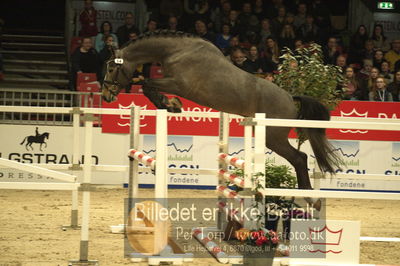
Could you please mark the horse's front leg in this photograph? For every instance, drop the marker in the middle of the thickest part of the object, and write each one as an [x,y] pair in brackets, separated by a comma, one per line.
[151,89]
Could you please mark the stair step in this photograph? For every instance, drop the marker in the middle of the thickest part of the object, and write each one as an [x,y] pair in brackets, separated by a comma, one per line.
[35,62]
[38,81]
[35,71]
[32,52]
[41,38]
[30,45]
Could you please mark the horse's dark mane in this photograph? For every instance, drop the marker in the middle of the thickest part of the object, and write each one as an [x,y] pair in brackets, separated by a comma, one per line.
[161,33]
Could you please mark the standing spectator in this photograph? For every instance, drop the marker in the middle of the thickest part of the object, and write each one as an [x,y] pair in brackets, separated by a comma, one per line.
[330,51]
[300,18]
[254,63]
[393,55]
[85,59]
[350,86]
[385,72]
[309,32]
[201,31]
[378,59]
[223,39]
[379,92]
[287,37]
[394,87]
[265,31]
[88,20]
[341,62]
[357,44]
[151,26]
[105,30]
[124,30]
[379,39]
[279,21]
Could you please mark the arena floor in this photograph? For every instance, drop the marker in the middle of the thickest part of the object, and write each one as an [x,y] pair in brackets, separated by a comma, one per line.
[30,231]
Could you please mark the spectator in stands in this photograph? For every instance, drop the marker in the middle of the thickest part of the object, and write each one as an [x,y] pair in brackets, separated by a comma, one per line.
[272,11]
[320,10]
[309,31]
[350,85]
[366,69]
[265,31]
[107,51]
[287,37]
[298,44]
[289,19]
[105,30]
[151,25]
[379,39]
[368,51]
[378,59]
[88,20]
[300,17]
[394,87]
[259,10]
[330,51]
[271,55]
[238,58]
[385,72]
[363,78]
[269,76]
[234,42]
[233,22]
[219,14]
[357,45]
[254,63]
[279,21]
[247,21]
[202,12]
[222,39]
[85,59]
[379,93]
[170,8]
[173,24]
[393,55]
[124,30]
[201,31]
[133,36]
[341,63]
[372,78]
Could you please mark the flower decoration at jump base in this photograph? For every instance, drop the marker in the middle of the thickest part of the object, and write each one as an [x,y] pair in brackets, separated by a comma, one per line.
[261,237]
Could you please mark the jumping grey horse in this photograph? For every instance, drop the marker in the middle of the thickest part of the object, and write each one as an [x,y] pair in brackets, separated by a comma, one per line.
[197,70]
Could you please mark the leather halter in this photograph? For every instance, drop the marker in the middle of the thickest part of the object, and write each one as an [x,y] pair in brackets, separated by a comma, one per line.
[119,62]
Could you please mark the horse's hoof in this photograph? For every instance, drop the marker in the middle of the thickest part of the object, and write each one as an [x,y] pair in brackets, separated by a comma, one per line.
[314,203]
[177,110]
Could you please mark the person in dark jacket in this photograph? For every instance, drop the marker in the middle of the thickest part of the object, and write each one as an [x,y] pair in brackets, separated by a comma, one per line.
[124,30]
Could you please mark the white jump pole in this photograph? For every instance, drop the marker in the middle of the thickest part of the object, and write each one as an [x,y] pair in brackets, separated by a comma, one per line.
[161,177]
[223,146]
[75,168]
[133,184]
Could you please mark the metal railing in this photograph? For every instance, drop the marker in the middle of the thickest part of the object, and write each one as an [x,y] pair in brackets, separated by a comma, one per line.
[44,98]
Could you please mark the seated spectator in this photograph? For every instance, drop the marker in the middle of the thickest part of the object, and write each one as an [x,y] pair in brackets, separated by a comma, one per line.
[350,86]
[341,63]
[394,87]
[238,58]
[222,40]
[321,13]
[330,51]
[287,37]
[309,31]
[271,55]
[265,31]
[378,59]
[173,24]
[201,31]
[300,17]
[85,59]
[279,21]
[124,30]
[368,51]
[220,15]
[105,30]
[269,76]
[202,12]
[234,42]
[372,79]
[363,77]
[365,72]
[357,45]
[169,8]
[254,63]
[289,19]
[248,22]
[133,36]
[298,44]
[272,11]
[233,22]
[151,26]
[379,93]
[259,10]
[88,20]
[107,52]
[379,39]
[385,72]
[393,55]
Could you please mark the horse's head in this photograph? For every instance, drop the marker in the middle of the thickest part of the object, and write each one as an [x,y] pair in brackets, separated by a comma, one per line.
[46,135]
[116,77]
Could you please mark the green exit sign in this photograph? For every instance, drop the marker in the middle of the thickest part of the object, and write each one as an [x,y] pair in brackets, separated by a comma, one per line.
[385,5]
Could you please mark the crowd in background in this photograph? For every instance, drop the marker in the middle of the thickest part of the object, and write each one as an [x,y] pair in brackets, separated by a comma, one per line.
[252,34]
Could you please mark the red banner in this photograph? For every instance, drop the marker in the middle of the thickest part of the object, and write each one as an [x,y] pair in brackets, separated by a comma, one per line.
[209,127]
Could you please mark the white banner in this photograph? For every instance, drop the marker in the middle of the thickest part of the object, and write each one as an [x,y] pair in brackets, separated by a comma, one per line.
[22,143]
[390,23]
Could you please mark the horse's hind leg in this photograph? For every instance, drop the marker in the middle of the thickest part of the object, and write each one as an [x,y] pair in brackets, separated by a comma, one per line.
[277,141]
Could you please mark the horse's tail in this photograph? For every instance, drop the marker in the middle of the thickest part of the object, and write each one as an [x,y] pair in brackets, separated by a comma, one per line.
[311,109]
[23,141]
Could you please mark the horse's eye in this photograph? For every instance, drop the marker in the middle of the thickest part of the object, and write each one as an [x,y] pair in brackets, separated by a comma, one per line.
[110,70]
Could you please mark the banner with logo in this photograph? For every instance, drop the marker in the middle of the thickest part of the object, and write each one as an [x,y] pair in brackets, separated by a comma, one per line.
[209,127]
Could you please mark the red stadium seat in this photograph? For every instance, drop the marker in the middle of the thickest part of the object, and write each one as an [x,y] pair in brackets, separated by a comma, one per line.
[85,78]
[75,43]
[136,89]
[156,72]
